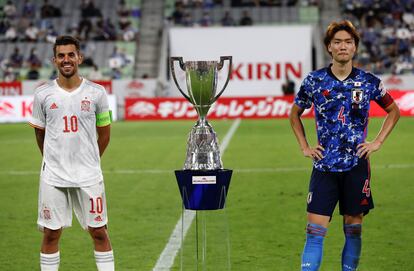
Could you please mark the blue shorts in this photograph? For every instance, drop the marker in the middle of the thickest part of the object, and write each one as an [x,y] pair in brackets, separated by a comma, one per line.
[351,188]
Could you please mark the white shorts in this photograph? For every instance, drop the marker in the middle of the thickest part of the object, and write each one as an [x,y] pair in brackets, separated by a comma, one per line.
[56,203]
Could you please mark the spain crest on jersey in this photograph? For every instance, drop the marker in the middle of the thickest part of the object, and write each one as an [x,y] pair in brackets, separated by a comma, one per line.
[85,105]
[357,96]
[46,213]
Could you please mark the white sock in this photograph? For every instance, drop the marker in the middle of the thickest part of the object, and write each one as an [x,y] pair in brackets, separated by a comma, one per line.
[49,262]
[105,260]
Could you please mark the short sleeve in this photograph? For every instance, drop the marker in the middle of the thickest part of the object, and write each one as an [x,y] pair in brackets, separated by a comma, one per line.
[103,114]
[381,96]
[102,102]
[38,118]
[304,97]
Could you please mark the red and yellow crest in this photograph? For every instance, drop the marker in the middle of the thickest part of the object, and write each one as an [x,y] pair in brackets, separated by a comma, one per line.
[85,105]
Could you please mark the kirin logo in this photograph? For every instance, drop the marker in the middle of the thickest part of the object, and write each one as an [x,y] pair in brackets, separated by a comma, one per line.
[6,108]
[142,109]
[406,102]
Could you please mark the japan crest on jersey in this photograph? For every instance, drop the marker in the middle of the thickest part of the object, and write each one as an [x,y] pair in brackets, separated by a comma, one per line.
[85,105]
[357,96]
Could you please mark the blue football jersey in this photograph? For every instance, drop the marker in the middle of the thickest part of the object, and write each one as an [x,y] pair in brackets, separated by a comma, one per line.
[341,113]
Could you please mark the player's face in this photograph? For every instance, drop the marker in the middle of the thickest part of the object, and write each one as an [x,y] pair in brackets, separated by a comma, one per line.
[342,47]
[67,60]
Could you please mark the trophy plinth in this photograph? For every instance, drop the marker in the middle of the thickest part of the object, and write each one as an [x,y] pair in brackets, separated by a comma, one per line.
[203,189]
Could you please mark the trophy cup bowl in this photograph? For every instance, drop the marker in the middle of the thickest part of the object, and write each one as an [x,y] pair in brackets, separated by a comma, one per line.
[203,182]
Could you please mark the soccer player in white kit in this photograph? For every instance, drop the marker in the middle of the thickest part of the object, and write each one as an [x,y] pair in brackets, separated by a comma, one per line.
[72,120]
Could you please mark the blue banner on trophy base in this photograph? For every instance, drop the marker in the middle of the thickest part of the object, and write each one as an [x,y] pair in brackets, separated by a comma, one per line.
[203,189]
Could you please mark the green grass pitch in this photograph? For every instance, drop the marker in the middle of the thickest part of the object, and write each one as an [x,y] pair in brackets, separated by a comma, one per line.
[265,207]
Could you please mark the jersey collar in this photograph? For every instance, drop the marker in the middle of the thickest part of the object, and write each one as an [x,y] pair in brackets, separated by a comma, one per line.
[351,75]
[73,92]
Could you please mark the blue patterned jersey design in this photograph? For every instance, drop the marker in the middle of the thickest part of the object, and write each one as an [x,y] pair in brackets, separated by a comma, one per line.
[341,113]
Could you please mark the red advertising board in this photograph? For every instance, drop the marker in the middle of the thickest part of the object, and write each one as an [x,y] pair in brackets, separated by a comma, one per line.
[106,84]
[404,100]
[238,107]
[15,109]
[225,107]
[10,88]
[20,108]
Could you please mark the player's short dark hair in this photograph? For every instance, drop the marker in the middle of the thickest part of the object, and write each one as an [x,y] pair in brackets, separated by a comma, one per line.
[66,40]
[338,26]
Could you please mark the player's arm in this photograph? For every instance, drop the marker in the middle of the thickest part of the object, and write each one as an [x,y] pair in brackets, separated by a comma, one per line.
[393,114]
[38,121]
[299,131]
[104,134]
[103,122]
[103,128]
[40,138]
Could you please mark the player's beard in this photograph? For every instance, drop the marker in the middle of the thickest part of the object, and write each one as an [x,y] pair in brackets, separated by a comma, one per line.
[67,74]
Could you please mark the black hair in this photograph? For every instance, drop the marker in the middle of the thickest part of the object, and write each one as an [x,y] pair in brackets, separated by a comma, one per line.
[66,40]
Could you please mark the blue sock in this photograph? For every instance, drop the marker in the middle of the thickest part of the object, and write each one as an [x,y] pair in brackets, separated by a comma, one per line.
[352,248]
[312,253]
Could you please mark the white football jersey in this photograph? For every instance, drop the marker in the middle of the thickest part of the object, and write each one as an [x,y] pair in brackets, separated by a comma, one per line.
[70,152]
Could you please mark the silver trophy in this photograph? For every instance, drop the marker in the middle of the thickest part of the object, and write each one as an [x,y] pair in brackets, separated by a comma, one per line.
[203,151]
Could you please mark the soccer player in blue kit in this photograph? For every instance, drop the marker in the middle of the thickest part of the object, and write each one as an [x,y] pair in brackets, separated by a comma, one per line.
[341,96]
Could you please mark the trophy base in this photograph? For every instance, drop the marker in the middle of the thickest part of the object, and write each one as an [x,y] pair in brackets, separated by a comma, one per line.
[203,189]
[206,246]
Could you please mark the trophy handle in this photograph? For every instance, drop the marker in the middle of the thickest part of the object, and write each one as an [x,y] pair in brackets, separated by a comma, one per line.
[219,67]
[182,66]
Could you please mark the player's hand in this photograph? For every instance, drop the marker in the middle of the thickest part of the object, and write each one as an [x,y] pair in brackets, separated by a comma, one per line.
[365,149]
[314,153]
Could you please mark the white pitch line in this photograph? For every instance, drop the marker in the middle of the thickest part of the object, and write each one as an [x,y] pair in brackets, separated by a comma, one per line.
[167,257]
[19,172]
[138,171]
[295,169]
[229,135]
[238,170]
